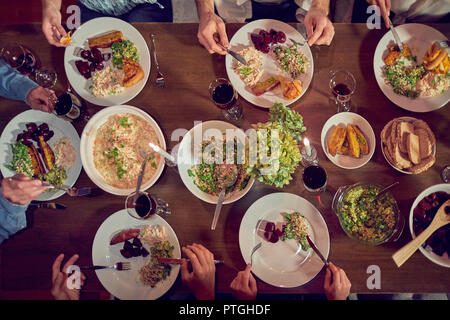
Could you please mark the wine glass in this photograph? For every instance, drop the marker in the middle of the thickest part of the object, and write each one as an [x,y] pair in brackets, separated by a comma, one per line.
[342,84]
[145,206]
[13,55]
[226,98]
[314,178]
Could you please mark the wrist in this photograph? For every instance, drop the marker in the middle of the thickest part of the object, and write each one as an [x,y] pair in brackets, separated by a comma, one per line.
[320,8]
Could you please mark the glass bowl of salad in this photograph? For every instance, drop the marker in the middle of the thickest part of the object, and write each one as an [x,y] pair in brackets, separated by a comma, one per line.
[369,220]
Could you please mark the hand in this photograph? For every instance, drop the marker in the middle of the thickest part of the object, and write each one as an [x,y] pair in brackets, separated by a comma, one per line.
[51,26]
[59,280]
[41,99]
[209,25]
[202,278]
[244,285]
[319,28]
[385,7]
[336,284]
[20,189]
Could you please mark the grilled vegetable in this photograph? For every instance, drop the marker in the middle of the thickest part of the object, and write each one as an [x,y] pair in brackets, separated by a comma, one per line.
[353,141]
[105,40]
[47,153]
[337,139]
[36,162]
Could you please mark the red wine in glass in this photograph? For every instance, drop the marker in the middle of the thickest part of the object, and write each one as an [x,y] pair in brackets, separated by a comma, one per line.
[314,178]
[27,63]
[145,206]
[341,89]
[224,97]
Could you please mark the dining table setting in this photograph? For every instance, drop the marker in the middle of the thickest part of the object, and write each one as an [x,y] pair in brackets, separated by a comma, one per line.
[362,169]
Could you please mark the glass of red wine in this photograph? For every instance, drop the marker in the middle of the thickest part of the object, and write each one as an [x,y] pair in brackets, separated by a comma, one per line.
[145,206]
[226,98]
[314,178]
[342,85]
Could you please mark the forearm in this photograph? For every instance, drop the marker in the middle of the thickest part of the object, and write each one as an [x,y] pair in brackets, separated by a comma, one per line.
[14,85]
[54,4]
[321,5]
[12,218]
[204,7]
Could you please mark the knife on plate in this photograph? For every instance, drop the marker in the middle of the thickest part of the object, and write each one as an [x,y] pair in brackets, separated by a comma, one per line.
[47,205]
[179,261]
[313,246]
[397,40]
[234,54]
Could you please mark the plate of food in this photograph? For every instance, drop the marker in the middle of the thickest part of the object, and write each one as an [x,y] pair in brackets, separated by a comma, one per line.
[280,222]
[111,145]
[348,140]
[207,153]
[42,146]
[423,210]
[107,62]
[278,68]
[121,238]
[408,145]
[419,79]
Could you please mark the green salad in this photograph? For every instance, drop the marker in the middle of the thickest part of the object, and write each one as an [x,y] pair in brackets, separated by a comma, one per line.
[21,161]
[123,50]
[296,228]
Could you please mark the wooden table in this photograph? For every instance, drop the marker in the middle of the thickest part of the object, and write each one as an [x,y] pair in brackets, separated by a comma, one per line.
[26,259]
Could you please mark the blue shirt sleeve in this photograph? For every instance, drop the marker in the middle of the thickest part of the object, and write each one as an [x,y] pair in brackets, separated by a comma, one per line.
[12,218]
[14,85]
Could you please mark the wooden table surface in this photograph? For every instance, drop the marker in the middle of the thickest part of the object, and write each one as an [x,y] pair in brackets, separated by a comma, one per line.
[26,259]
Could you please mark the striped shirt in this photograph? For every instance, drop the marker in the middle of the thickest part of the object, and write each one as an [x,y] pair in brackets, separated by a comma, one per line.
[115,7]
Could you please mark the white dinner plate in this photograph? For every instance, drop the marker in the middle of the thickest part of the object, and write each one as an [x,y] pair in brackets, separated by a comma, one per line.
[96,27]
[126,285]
[186,159]
[344,118]
[87,147]
[241,39]
[419,38]
[281,264]
[443,260]
[60,127]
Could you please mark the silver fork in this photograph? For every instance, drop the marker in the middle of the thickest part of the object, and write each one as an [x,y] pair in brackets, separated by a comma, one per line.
[71,191]
[253,251]
[160,82]
[119,266]
[443,44]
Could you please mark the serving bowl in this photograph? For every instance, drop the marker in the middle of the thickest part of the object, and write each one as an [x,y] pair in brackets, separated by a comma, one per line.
[340,200]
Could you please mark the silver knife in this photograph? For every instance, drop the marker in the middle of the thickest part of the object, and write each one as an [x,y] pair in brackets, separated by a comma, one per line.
[235,55]
[398,42]
[47,205]
[313,246]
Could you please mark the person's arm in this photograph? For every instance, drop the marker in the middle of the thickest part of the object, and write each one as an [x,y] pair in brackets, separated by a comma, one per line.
[14,85]
[51,22]
[319,28]
[385,8]
[244,285]
[209,24]
[12,218]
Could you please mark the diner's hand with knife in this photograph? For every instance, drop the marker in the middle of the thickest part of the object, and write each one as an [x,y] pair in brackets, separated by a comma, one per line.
[201,280]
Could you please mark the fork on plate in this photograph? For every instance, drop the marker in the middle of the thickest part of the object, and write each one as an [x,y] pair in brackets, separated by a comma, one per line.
[119,266]
[71,191]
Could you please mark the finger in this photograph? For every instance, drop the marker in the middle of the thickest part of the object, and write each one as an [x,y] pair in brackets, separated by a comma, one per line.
[327,281]
[327,35]
[61,30]
[48,33]
[245,276]
[200,254]
[21,177]
[253,285]
[223,34]
[209,256]
[57,283]
[194,260]
[56,266]
[70,262]
[318,30]
[184,269]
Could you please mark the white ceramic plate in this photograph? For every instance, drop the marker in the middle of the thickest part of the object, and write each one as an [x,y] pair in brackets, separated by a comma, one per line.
[126,285]
[186,159]
[443,260]
[281,264]
[241,39]
[419,38]
[410,119]
[87,147]
[344,118]
[96,27]
[60,127]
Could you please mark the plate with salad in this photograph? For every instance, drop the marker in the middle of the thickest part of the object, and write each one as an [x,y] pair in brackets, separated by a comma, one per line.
[41,146]
[417,80]
[280,222]
[107,62]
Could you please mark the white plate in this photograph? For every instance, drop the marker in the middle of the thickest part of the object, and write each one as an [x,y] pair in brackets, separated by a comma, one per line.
[185,158]
[241,39]
[344,118]
[410,119]
[126,285]
[443,260]
[93,28]
[279,264]
[419,38]
[60,127]
[87,147]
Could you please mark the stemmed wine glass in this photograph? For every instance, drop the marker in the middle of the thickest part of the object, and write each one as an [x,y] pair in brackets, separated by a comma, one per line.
[142,206]
[342,85]
[25,61]
[226,98]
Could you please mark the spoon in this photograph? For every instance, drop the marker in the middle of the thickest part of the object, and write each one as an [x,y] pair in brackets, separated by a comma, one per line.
[379,194]
[441,218]
[229,180]
[145,152]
